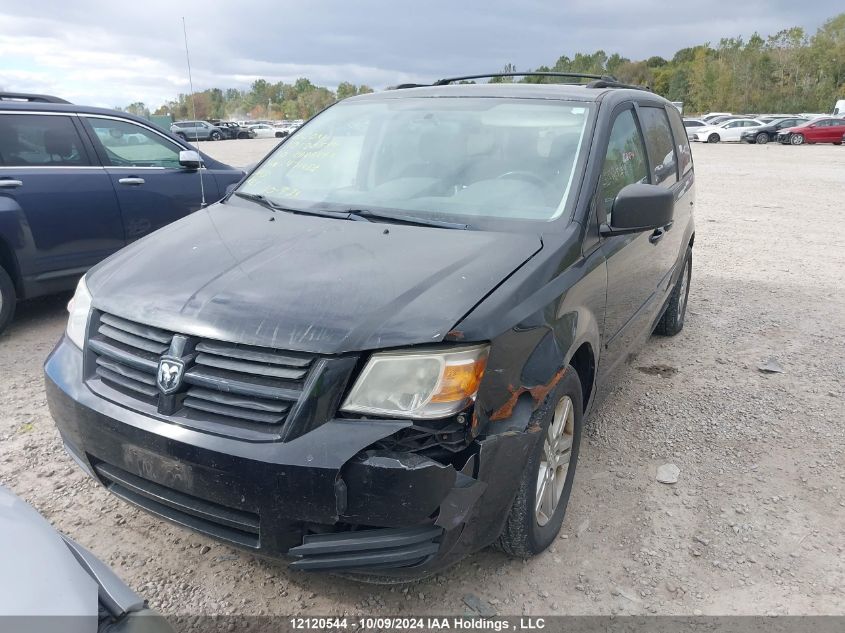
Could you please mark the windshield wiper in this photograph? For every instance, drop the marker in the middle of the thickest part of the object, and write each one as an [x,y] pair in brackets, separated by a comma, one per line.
[264,201]
[259,199]
[352,214]
[369,214]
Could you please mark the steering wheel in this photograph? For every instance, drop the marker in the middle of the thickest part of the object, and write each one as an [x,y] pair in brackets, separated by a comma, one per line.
[524,175]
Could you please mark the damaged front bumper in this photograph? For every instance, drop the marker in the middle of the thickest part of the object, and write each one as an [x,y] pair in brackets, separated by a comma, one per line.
[326,498]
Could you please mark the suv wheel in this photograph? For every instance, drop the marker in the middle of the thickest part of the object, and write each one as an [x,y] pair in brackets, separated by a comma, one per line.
[672,320]
[183,136]
[796,139]
[8,299]
[215,136]
[540,504]
[762,138]
[714,138]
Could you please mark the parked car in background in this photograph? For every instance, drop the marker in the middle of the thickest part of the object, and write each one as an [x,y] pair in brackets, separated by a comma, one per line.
[721,119]
[286,128]
[769,131]
[233,130]
[693,125]
[197,131]
[707,118]
[839,108]
[79,183]
[822,130]
[727,131]
[377,355]
[263,130]
[770,118]
[49,582]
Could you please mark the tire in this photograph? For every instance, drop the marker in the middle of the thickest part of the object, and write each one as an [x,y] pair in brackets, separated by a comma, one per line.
[796,139]
[183,136]
[243,135]
[673,317]
[714,138]
[762,138]
[279,135]
[214,136]
[527,532]
[8,299]
[837,142]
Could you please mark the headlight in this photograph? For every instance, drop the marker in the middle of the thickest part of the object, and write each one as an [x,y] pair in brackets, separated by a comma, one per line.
[416,384]
[79,308]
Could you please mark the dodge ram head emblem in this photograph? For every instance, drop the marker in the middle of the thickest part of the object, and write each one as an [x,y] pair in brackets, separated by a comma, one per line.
[170,372]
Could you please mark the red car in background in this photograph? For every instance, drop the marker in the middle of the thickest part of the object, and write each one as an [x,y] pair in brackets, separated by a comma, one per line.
[822,130]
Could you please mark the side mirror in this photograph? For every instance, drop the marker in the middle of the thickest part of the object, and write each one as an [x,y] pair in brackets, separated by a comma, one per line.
[640,208]
[190,159]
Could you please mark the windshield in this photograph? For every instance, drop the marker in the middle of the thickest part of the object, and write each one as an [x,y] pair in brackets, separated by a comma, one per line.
[481,157]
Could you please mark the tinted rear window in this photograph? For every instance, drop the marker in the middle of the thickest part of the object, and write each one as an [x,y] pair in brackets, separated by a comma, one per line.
[660,145]
[40,140]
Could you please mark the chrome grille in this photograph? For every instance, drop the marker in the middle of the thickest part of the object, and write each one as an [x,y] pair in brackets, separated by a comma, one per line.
[227,389]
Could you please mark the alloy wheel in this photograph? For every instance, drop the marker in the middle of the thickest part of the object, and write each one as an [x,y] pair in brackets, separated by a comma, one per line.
[554,462]
[682,292]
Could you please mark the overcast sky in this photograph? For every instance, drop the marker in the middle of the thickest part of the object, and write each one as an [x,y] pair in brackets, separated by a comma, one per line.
[114,53]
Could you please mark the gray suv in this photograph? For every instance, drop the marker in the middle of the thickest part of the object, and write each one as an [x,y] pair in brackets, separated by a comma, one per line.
[197,131]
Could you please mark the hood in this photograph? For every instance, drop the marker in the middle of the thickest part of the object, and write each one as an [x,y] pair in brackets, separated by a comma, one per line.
[41,577]
[241,273]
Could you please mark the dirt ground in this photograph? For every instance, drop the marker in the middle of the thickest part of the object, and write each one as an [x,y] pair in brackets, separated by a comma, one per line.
[753,526]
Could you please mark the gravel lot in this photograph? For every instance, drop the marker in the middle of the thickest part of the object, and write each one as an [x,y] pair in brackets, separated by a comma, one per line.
[753,526]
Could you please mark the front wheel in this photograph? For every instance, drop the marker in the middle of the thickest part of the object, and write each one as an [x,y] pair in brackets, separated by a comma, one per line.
[714,138]
[537,512]
[672,320]
[8,299]
[762,138]
[183,136]
[215,136]
[797,139]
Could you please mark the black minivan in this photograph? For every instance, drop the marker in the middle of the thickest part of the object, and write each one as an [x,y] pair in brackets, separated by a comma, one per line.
[376,355]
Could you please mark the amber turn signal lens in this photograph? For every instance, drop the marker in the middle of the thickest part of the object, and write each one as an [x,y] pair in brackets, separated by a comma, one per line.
[460,381]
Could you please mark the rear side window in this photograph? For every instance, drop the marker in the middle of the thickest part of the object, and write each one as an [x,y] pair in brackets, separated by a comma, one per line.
[624,162]
[682,146]
[661,147]
[40,140]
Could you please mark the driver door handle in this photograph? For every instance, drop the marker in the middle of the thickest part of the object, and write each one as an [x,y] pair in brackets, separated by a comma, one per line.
[11,184]
[655,237]
[131,181]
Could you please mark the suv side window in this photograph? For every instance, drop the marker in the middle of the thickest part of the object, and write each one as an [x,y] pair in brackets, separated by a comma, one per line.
[624,162]
[681,142]
[661,147]
[130,145]
[40,140]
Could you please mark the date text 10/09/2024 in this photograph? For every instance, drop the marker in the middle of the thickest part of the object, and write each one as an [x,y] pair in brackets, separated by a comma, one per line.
[429,623]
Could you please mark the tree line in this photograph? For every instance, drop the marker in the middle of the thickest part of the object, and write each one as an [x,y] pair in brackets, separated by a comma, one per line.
[790,71]
[263,100]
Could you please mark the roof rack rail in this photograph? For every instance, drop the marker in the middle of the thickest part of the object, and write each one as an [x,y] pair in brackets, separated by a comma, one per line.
[403,86]
[613,83]
[447,81]
[31,98]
